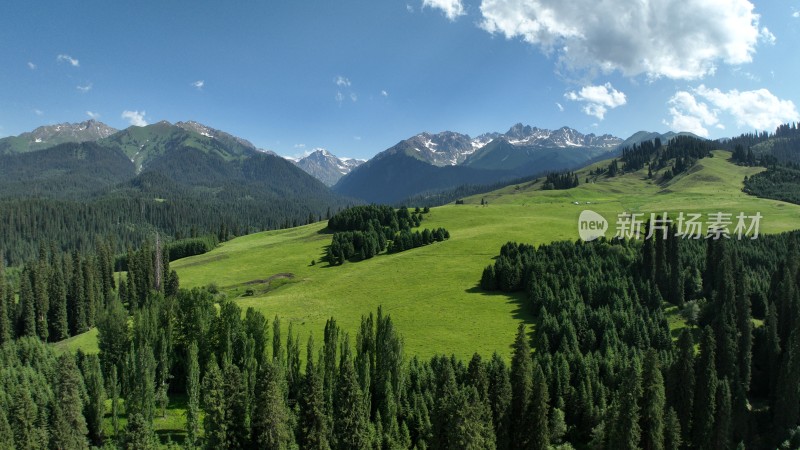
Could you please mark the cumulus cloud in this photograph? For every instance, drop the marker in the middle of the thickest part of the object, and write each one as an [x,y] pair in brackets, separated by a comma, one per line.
[93,115]
[452,9]
[135,117]
[598,99]
[31,65]
[342,81]
[678,39]
[85,88]
[198,85]
[757,109]
[68,59]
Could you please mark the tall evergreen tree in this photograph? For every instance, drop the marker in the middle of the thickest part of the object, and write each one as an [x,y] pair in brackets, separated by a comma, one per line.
[113,383]
[69,424]
[271,421]
[76,300]
[500,400]
[626,432]
[193,396]
[521,390]
[683,382]
[653,403]
[214,406]
[6,433]
[40,279]
[313,421]
[57,320]
[351,419]
[6,331]
[722,421]
[539,412]
[95,407]
[277,348]
[705,392]
[28,318]
[672,431]
[787,404]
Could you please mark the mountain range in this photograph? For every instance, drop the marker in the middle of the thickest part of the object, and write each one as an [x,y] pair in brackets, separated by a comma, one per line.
[429,163]
[325,166]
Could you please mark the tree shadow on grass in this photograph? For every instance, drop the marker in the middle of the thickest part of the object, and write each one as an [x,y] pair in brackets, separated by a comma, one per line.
[521,311]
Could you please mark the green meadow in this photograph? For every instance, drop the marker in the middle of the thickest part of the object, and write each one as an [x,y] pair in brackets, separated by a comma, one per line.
[432,292]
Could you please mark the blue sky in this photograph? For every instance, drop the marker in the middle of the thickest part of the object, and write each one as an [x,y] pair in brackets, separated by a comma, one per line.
[356,77]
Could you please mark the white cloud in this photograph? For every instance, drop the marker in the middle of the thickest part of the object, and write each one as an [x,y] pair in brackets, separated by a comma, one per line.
[598,99]
[93,115]
[85,88]
[31,65]
[353,97]
[299,145]
[384,93]
[452,9]
[135,117]
[679,39]
[342,81]
[38,112]
[560,107]
[796,14]
[339,97]
[409,8]
[690,115]
[758,109]
[357,138]
[198,85]
[69,59]
[766,36]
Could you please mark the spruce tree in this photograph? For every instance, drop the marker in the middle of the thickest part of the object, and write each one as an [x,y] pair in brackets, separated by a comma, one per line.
[500,399]
[28,319]
[626,431]
[57,320]
[69,424]
[76,300]
[271,421]
[95,407]
[6,332]
[539,412]
[653,403]
[683,382]
[787,404]
[193,396]
[521,390]
[351,419]
[313,422]
[113,383]
[672,431]
[40,279]
[705,392]
[215,407]
[22,418]
[6,433]
[722,424]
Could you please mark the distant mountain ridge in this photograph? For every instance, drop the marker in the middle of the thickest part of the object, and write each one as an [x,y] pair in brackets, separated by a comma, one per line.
[51,135]
[325,166]
[456,159]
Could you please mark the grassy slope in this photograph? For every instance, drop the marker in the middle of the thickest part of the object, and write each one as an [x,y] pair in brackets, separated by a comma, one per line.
[432,292]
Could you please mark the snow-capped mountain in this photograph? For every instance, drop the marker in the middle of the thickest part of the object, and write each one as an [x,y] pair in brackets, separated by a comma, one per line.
[564,137]
[50,135]
[219,135]
[441,149]
[325,166]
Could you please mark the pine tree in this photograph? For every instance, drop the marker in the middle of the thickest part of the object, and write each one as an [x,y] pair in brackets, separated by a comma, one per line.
[6,433]
[57,320]
[214,406]
[722,424]
[351,419]
[6,332]
[76,306]
[22,418]
[139,434]
[626,432]
[521,390]
[69,424]
[672,431]
[653,403]
[113,383]
[683,382]
[95,407]
[313,431]
[28,325]
[277,348]
[193,396]
[539,412]
[787,404]
[744,325]
[40,279]
[271,421]
[705,392]
[500,399]
[773,350]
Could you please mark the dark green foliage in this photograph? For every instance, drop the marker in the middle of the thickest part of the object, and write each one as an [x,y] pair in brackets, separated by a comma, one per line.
[271,420]
[313,420]
[95,407]
[193,394]
[777,182]
[521,390]
[653,403]
[682,382]
[69,424]
[215,424]
[560,180]
[351,417]
[705,392]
